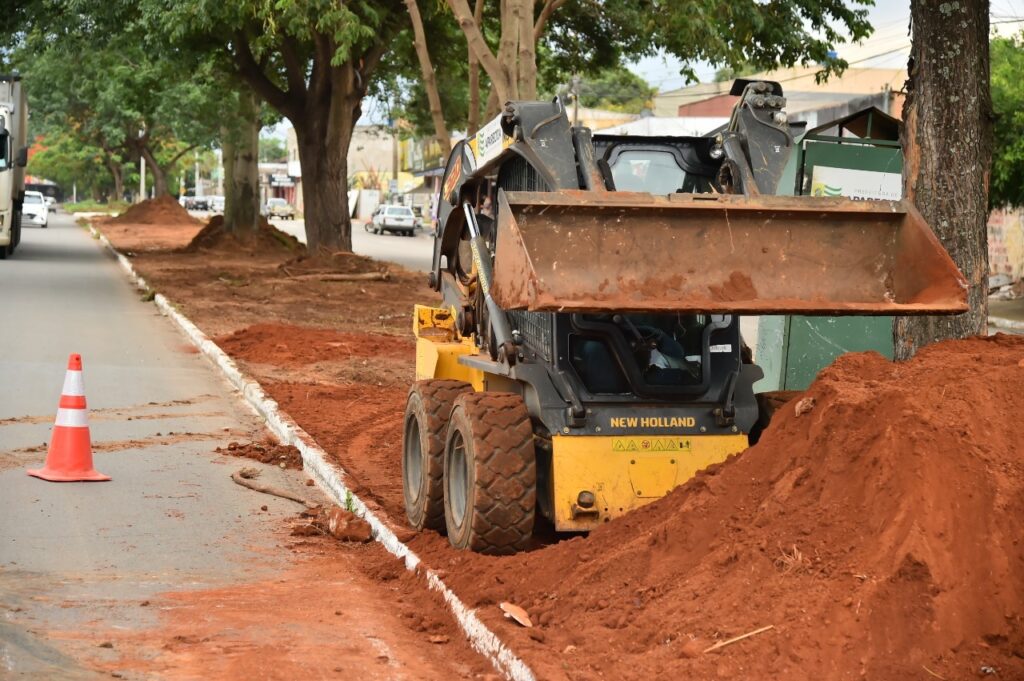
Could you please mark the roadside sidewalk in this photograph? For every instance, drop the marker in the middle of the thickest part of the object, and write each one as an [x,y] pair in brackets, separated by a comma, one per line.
[170,570]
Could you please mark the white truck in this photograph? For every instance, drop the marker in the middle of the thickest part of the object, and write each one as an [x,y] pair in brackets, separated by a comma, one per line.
[13,159]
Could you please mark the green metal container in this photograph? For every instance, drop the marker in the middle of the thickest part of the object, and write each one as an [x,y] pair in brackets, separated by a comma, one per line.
[858,157]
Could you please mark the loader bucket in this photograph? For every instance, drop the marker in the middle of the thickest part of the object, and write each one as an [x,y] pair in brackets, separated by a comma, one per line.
[578,251]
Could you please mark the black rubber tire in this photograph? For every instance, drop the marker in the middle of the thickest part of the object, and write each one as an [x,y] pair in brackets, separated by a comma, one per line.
[490,474]
[426,425]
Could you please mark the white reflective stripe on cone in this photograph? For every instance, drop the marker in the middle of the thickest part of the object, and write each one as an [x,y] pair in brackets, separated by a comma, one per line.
[72,418]
[73,384]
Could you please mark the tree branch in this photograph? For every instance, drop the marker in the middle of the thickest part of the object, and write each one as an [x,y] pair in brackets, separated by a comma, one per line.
[545,13]
[429,79]
[253,73]
[479,46]
[294,66]
[320,78]
[177,157]
[527,71]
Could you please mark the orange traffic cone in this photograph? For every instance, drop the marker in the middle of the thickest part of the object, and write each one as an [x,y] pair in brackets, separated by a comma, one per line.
[70,456]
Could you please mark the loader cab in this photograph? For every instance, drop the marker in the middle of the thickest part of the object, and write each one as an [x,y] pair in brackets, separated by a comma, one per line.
[658,165]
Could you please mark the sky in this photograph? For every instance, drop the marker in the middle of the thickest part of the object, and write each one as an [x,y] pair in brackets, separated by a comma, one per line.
[888,47]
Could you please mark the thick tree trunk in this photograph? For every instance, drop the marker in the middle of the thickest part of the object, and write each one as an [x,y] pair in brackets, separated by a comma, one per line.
[158,173]
[323,156]
[429,79]
[241,167]
[948,148]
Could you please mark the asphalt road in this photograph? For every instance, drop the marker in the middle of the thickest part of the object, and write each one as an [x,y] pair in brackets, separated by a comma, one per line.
[414,253]
[80,561]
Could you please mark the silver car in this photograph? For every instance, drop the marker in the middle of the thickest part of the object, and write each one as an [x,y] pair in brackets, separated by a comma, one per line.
[392,218]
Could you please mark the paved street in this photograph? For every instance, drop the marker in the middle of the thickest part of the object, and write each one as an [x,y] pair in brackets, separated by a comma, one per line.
[80,562]
[412,253]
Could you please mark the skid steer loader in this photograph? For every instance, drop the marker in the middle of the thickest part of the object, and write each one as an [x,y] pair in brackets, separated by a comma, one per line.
[586,356]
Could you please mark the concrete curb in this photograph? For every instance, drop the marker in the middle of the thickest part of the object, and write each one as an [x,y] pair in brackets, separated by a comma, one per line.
[1004,323]
[331,479]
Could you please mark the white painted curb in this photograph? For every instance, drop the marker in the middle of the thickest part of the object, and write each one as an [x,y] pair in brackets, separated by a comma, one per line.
[331,479]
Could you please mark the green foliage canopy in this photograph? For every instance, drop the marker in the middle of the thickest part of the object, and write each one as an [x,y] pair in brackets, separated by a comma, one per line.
[1007,67]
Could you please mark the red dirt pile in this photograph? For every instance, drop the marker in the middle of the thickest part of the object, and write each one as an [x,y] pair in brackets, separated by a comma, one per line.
[213,237]
[286,345]
[163,210]
[341,262]
[879,532]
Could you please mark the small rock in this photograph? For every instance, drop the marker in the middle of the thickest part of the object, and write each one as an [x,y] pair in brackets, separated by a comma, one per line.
[537,635]
[438,639]
[263,507]
[346,526]
[310,483]
[569,649]
[106,644]
[144,603]
[804,406]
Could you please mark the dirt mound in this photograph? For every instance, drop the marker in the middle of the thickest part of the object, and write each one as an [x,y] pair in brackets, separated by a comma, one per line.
[341,262]
[287,345]
[163,210]
[267,451]
[213,237]
[879,532]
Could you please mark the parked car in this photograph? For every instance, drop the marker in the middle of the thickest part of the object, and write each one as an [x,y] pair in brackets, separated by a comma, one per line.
[190,202]
[34,210]
[279,208]
[392,218]
[215,203]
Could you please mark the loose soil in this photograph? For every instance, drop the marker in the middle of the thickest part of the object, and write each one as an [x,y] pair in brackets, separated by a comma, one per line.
[878,532]
[268,451]
[266,237]
[163,210]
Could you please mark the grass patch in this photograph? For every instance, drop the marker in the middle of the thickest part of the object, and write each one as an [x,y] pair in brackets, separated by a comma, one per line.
[96,207]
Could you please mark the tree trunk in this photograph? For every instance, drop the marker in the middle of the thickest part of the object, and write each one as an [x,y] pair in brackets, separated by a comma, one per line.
[323,157]
[241,167]
[429,80]
[527,71]
[158,173]
[947,152]
[473,123]
[118,176]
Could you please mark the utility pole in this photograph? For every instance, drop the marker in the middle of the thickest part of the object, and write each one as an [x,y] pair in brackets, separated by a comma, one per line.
[220,172]
[197,190]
